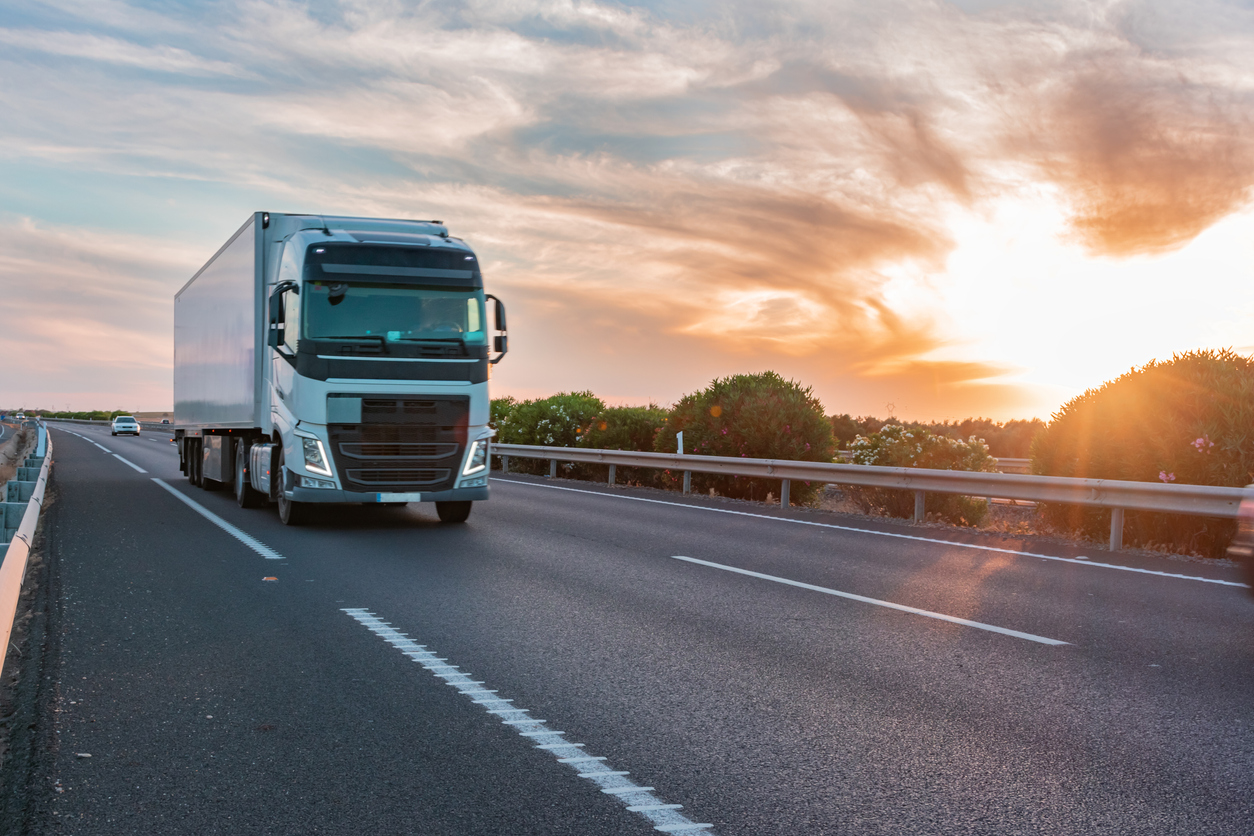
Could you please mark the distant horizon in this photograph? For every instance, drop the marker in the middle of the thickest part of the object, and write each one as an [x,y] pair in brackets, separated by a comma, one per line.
[159,414]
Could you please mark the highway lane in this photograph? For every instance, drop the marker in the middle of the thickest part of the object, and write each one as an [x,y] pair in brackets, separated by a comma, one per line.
[761,707]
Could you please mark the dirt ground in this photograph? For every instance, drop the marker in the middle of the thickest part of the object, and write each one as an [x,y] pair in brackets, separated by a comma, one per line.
[13,452]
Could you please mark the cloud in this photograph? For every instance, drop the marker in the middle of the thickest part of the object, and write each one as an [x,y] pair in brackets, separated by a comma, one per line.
[115,51]
[87,313]
[1149,150]
[770,182]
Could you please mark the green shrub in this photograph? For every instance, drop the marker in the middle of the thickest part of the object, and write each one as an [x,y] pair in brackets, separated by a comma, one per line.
[626,428]
[499,411]
[1012,439]
[846,428]
[555,421]
[899,446]
[1187,421]
[757,416]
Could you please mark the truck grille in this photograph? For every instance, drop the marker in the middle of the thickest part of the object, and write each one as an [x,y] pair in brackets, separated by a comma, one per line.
[402,443]
[416,478]
[367,450]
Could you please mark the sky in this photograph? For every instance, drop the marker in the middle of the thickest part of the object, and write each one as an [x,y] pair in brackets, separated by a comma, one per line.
[922,209]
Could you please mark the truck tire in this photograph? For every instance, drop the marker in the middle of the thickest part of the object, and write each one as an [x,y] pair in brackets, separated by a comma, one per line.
[453,512]
[191,448]
[245,495]
[291,512]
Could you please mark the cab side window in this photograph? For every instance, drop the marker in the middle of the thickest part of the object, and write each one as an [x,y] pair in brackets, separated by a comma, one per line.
[291,320]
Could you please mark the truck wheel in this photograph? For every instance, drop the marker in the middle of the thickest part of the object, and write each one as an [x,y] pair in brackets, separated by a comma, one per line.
[291,512]
[453,512]
[192,449]
[245,495]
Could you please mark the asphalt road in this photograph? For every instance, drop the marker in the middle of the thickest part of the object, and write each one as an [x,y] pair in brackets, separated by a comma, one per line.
[1010,688]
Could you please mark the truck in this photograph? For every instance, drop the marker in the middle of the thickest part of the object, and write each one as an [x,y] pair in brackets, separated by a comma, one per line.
[324,359]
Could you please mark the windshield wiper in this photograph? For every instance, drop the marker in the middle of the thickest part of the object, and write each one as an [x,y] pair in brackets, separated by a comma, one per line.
[429,339]
[383,343]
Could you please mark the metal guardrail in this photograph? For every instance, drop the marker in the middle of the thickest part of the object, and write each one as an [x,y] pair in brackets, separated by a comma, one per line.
[17,551]
[1119,496]
[150,426]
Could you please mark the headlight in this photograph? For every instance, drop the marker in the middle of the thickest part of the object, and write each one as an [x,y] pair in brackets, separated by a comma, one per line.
[315,456]
[478,458]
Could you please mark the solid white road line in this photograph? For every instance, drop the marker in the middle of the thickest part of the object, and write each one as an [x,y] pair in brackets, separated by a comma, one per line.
[132,464]
[979,625]
[1078,561]
[635,798]
[247,539]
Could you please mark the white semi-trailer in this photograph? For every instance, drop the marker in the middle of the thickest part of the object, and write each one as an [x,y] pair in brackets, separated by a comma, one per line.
[323,359]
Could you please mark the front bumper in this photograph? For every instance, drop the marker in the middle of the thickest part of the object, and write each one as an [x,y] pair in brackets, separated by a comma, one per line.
[328,495]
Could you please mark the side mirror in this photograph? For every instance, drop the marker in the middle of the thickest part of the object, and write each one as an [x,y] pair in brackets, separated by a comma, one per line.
[500,343]
[274,337]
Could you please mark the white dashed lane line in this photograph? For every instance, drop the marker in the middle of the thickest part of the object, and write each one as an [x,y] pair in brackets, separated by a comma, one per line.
[245,538]
[132,464]
[952,619]
[613,782]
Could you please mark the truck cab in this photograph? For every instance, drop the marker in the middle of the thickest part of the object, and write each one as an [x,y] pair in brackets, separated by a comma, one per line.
[377,342]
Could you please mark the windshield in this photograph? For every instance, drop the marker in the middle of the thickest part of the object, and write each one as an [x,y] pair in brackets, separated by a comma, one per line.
[392,312]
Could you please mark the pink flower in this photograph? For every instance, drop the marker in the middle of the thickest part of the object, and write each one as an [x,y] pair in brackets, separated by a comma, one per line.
[724,430]
[1166,477]
[1203,444]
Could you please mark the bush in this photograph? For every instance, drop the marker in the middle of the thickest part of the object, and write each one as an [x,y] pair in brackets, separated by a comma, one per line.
[555,421]
[758,416]
[846,428]
[1012,439]
[898,446]
[499,411]
[1185,421]
[626,428]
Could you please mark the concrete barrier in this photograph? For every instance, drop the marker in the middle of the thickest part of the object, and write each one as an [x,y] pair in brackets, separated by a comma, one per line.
[15,551]
[17,491]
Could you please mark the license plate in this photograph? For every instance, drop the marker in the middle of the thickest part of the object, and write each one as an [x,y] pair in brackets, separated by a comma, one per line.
[398,497]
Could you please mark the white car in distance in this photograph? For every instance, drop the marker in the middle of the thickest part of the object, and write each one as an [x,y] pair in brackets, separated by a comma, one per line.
[124,424]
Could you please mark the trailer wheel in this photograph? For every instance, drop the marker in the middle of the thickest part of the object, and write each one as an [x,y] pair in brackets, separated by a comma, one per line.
[192,446]
[245,495]
[453,512]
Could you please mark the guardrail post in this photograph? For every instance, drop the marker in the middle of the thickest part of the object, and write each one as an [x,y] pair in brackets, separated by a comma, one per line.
[552,468]
[505,464]
[611,474]
[784,485]
[918,506]
[1116,529]
[687,481]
